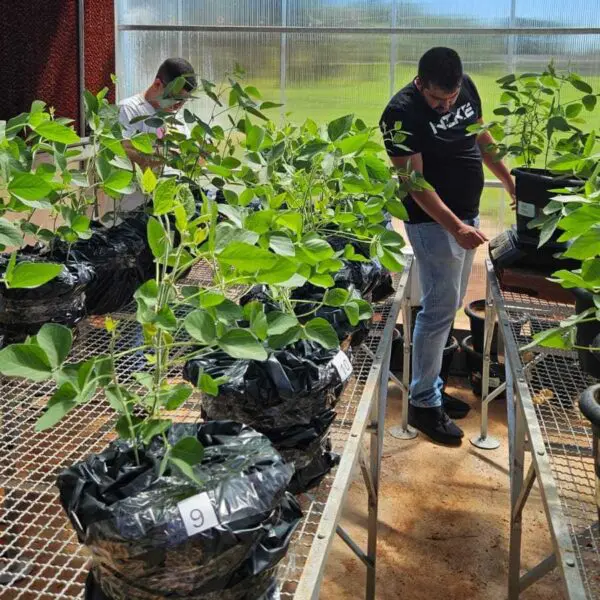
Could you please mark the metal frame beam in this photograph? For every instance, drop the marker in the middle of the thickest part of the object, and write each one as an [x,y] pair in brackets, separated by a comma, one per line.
[369,30]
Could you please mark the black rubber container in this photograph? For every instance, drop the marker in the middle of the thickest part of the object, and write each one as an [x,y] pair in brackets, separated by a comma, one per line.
[475,366]
[589,403]
[397,355]
[533,191]
[588,334]
[476,312]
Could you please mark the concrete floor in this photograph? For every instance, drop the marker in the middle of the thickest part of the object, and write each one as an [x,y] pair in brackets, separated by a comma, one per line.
[443,518]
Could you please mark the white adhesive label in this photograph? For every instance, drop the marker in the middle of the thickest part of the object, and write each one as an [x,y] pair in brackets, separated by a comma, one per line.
[494,382]
[525,209]
[343,365]
[197,513]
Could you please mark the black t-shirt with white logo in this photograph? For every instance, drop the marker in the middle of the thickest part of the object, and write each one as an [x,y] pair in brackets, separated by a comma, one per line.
[452,161]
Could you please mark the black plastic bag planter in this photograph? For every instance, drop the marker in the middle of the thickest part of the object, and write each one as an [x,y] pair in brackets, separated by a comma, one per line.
[61,300]
[289,388]
[122,261]
[154,537]
[290,398]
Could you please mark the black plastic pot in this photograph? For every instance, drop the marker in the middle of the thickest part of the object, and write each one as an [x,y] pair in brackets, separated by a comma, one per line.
[476,312]
[397,355]
[224,542]
[289,398]
[533,191]
[121,259]
[590,407]
[588,334]
[61,300]
[475,367]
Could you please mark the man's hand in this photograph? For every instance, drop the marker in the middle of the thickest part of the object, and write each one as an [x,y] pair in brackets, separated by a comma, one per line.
[509,186]
[469,237]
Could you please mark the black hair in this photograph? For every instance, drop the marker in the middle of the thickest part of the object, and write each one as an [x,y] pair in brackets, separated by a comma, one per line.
[172,68]
[441,67]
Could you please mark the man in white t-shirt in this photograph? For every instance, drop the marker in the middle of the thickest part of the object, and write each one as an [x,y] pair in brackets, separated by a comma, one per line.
[156,97]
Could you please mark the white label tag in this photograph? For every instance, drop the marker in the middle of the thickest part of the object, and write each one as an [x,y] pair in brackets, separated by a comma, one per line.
[197,513]
[525,209]
[343,365]
[494,382]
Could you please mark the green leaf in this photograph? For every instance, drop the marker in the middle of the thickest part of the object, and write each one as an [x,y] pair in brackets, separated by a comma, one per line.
[153,427]
[567,162]
[188,450]
[165,319]
[553,338]
[573,110]
[258,325]
[208,385]
[548,229]
[240,343]
[61,402]
[507,79]
[28,187]
[289,336]
[228,311]
[56,132]
[279,323]
[32,275]
[149,181]
[352,312]
[9,233]
[148,293]
[397,209]
[339,127]
[319,330]
[201,326]
[585,246]
[323,280]
[316,248]
[118,181]
[247,258]
[56,341]
[165,193]
[292,221]
[114,399]
[25,360]
[589,102]
[281,244]
[336,297]
[352,144]
[186,470]
[210,298]
[254,137]
[579,84]
[157,238]
[143,142]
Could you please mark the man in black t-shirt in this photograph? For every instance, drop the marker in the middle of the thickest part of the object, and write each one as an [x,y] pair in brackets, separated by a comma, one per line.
[435,111]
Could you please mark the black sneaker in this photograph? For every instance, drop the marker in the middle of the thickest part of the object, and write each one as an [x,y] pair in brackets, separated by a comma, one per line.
[455,408]
[436,424]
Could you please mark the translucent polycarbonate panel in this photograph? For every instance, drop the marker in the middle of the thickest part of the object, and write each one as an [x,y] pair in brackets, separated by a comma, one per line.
[199,12]
[557,13]
[147,12]
[458,13]
[139,55]
[336,13]
[213,56]
[332,75]
[238,12]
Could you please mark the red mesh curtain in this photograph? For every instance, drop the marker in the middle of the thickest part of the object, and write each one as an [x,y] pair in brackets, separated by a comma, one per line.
[39,53]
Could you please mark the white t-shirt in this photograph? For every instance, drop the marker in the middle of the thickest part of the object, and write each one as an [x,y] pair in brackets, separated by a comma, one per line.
[129,109]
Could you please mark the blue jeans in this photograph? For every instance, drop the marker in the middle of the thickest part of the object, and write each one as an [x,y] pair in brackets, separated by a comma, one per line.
[444,268]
